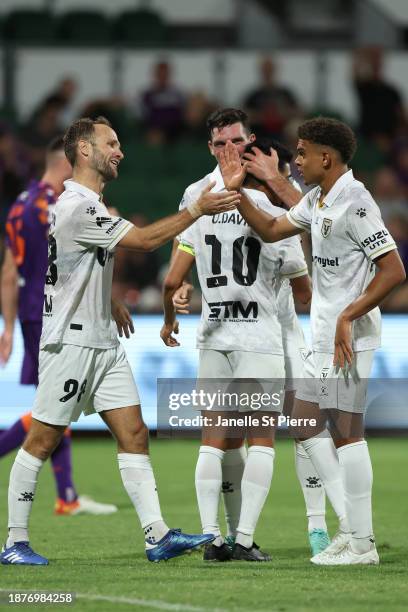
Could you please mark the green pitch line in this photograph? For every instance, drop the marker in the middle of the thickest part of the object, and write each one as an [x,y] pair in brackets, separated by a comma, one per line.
[102,558]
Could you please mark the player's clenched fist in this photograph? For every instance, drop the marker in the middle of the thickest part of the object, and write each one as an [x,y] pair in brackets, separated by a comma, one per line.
[181,298]
[166,333]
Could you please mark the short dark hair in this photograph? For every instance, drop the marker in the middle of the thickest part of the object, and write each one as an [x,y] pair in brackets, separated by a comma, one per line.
[330,132]
[227,116]
[81,129]
[265,144]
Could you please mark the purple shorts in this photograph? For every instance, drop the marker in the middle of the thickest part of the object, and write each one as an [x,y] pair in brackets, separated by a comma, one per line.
[31,335]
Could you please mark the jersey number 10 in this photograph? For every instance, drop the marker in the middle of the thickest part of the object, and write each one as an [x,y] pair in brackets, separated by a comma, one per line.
[252,260]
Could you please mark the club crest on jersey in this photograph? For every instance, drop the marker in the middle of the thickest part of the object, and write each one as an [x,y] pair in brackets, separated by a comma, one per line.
[326,227]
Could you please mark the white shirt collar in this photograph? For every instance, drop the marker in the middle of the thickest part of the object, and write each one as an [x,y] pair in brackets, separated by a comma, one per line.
[217,177]
[71,185]
[338,187]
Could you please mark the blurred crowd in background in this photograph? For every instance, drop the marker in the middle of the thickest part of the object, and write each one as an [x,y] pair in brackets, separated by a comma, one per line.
[164,117]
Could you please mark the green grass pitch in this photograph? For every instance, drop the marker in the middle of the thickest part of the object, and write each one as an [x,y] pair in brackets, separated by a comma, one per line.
[103,556]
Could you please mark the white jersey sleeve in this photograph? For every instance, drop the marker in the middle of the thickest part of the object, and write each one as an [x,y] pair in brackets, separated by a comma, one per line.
[367,228]
[292,256]
[301,214]
[187,240]
[94,227]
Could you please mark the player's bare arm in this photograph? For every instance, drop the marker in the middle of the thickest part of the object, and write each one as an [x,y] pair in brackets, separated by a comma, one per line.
[181,297]
[266,168]
[153,236]
[122,318]
[180,266]
[270,229]
[302,288]
[9,303]
[390,274]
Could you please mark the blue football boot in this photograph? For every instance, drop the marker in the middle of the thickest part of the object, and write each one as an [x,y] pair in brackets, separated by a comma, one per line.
[175,543]
[21,554]
[318,540]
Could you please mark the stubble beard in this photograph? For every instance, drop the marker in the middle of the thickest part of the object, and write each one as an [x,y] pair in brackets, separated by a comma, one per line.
[100,165]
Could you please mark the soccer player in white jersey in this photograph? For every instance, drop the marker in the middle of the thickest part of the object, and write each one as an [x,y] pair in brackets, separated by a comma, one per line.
[294,344]
[82,365]
[232,124]
[355,266]
[235,344]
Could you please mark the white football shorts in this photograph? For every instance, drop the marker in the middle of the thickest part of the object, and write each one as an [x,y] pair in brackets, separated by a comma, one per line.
[76,379]
[294,367]
[334,388]
[248,365]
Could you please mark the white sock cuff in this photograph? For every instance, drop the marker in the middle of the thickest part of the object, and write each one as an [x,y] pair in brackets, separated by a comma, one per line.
[318,439]
[261,449]
[348,447]
[235,456]
[134,460]
[211,450]
[28,461]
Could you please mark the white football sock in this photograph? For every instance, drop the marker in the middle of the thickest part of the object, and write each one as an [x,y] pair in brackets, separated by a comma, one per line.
[22,486]
[233,466]
[323,455]
[208,480]
[357,474]
[255,486]
[138,479]
[312,488]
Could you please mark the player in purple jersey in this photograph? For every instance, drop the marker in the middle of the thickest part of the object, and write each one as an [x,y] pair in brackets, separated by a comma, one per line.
[22,294]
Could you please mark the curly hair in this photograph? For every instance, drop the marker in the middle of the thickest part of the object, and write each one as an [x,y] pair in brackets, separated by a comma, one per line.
[81,129]
[330,132]
[227,116]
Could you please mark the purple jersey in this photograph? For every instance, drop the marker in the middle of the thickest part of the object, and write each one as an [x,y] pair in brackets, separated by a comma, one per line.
[27,237]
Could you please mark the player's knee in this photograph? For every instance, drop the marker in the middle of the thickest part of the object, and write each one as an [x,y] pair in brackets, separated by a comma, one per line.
[136,439]
[339,442]
[41,445]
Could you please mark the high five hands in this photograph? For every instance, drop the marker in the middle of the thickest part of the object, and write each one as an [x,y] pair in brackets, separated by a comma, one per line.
[232,170]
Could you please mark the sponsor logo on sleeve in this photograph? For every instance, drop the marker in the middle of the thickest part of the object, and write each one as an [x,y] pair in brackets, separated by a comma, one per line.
[361,212]
[112,227]
[91,211]
[100,221]
[375,240]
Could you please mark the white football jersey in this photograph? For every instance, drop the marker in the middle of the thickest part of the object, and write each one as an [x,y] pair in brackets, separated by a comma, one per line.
[293,337]
[347,235]
[77,301]
[240,277]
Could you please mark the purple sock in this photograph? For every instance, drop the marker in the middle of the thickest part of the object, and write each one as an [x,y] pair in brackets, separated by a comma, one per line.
[12,438]
[61,464]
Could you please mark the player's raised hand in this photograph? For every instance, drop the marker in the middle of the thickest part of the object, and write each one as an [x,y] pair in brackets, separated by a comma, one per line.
[181,298]
[343,351]
[166,333]
[6,346]
[264,167]
[122,319]
[232,170]
[212,203]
